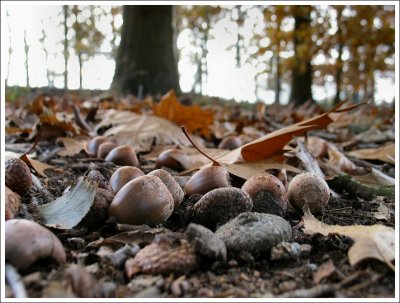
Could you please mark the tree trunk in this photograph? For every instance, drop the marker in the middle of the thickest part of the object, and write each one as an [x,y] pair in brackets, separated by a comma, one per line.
[66,53]
[302,70]
[277,79]
[339,67]
[80,69]
[145,56]
[26,48]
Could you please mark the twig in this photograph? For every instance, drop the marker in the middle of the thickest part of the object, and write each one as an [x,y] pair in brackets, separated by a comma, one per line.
[15,282]
[313,292]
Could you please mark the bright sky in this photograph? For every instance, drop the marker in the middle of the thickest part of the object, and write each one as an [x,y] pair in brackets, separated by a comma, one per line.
[228,82]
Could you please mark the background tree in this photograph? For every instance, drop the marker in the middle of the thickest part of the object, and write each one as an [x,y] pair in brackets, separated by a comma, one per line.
[302,70]
[145,61]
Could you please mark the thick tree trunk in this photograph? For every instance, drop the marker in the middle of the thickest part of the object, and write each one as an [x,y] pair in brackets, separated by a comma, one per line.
[146,59]
[302,71]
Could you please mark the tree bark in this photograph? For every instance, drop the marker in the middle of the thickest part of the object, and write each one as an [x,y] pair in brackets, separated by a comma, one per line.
[302,70]
[80,60]
[146,59]
[66,54]
[339,67]
[26,48]
[277,79]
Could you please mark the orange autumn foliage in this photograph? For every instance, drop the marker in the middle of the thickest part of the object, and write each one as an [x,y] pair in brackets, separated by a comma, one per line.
[192,117]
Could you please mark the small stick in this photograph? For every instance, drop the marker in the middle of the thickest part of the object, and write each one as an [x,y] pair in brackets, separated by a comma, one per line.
[215,163]
[15,282]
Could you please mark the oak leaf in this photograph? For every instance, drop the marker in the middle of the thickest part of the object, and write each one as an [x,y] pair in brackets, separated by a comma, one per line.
[192,117]
[376,241]
[384,153]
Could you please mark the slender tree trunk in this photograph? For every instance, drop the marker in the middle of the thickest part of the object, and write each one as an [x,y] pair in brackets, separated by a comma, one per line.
[80,69]
[339,63]
[277,79]
[9,51]
[338,74]
[302,70]
[66,51]
[26,48]
[145,56]
[239,37]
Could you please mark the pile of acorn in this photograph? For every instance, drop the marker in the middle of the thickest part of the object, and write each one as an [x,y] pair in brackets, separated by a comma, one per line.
[152,198]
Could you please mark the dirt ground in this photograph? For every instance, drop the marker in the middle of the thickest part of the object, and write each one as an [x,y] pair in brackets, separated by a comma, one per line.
[241,276]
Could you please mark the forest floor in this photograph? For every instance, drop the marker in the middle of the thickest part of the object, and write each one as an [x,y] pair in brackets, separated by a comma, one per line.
[324,270]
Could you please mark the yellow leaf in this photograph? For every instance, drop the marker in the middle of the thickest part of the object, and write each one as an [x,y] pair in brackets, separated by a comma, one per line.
[376,241]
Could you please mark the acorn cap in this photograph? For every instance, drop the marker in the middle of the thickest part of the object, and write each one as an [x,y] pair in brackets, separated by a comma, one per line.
[167,254]
[268,194]
[144,200]
[207,179]
[221,205]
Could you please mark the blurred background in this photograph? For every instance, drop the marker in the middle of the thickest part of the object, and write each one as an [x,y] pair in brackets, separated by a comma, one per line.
[272,54]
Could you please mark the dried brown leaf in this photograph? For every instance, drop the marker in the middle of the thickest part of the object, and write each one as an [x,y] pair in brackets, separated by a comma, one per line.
[384,153]
[376,241]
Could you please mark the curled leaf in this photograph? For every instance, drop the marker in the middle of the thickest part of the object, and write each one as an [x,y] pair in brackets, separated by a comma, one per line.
[68,210]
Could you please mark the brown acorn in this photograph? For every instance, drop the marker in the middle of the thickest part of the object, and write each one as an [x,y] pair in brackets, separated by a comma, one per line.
[123,155]
[18,175]
[105,148]
[123,175]
[93,145]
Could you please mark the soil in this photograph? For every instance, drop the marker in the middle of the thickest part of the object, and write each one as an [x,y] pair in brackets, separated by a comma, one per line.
[241,276]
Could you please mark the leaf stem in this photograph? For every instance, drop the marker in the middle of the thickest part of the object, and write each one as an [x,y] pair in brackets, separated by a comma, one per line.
[215,163]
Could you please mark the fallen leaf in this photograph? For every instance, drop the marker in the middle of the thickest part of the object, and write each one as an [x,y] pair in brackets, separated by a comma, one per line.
[376,241]
[375,178]
[194,118]
[323,271]
[140,131]
[275,141]
[339,160]
[384,153]
[246,170]
[72,146]
[68,210]
[383,212]
[309,162]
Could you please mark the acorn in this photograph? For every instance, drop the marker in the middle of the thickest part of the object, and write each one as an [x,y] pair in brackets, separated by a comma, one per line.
[169,158]
[207,179]
[105,148]
[144,200]
[268,194]
[12,203]
[93,145]
[308,189]
[123,175]
[173,186]
[231,142]
[18,175]
[123,155]
[27,241]
[97,177]
[221,205]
